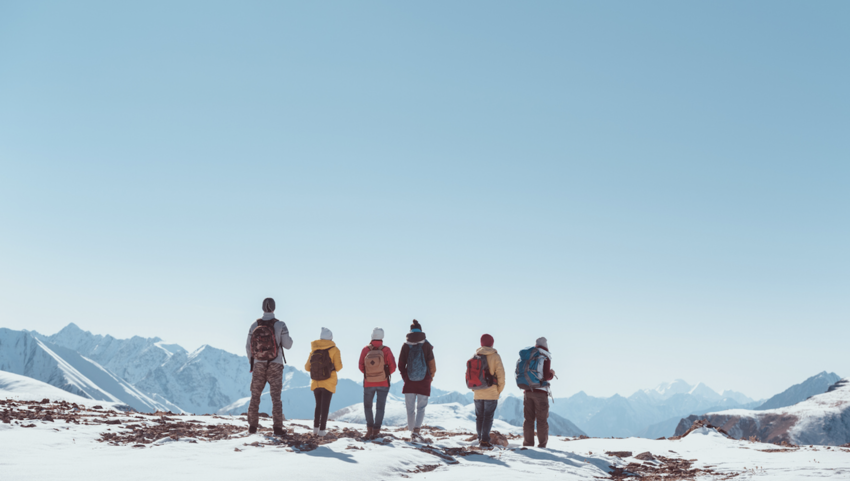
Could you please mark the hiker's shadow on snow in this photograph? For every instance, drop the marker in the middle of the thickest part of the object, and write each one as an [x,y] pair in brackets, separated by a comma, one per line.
[325,452]
[564,457]
[484,458]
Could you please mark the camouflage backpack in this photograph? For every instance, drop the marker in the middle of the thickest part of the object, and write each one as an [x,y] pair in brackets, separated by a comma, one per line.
[375,364]
[263,342]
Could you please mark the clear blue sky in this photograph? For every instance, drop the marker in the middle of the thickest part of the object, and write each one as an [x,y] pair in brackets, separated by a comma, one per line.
[660,188]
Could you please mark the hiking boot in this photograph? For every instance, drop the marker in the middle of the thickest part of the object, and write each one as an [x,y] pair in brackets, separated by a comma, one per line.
[323,433]
[485,445]
[376,433]
[315,431]
[368,434]
[279,432]
[252,429]
[416,436]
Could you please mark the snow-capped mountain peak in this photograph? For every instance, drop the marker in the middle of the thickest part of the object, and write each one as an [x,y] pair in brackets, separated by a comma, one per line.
[705,392]
[668,389]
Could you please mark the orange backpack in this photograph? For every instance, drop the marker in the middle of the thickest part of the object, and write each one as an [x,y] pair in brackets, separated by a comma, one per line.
[375,364]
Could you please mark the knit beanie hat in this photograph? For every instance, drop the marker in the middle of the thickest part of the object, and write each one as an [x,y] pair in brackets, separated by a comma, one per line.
[378,334]
[268,305]
[542,342]
[487,340]
[327,335]
[415,327]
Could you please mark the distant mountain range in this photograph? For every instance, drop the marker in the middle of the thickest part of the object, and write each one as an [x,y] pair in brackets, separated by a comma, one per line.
[650,413]
[148,374]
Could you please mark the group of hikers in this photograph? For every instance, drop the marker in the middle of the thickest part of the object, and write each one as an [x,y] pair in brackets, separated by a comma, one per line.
[268,337]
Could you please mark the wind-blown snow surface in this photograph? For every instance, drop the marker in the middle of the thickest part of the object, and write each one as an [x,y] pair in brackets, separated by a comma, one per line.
[823,419]
[15,386]
[70,452]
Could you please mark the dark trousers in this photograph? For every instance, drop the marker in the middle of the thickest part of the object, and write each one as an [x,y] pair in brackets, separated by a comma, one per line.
[323,405]
[369,394]
[484,412]
[535,408]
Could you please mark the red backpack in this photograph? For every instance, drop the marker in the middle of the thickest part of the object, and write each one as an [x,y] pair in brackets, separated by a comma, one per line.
[478,373]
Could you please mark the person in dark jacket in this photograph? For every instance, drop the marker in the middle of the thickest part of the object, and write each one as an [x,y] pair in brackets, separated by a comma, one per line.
[271,372]
[536,402]
[376,381]
[417,367]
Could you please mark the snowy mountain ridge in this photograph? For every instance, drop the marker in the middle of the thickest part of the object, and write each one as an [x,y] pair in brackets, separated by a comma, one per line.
[821,419]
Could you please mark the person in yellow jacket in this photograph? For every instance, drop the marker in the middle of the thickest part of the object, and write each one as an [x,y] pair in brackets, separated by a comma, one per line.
[487,399]
[323,364]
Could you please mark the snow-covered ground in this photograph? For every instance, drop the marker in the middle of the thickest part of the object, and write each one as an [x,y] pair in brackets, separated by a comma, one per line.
[89,444]
[17,387]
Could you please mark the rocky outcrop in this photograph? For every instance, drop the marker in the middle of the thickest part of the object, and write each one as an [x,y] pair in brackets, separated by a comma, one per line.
[823,419]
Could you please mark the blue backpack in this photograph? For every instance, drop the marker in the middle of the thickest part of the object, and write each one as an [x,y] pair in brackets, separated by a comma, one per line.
[417,369]
[529,370]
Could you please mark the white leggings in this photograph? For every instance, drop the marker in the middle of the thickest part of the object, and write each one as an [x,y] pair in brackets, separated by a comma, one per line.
[415,404]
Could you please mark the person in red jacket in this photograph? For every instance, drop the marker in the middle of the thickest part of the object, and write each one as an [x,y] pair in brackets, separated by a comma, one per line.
[377,365]
[536,402]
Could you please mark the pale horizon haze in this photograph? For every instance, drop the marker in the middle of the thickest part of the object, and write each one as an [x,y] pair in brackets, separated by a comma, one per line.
[661,189]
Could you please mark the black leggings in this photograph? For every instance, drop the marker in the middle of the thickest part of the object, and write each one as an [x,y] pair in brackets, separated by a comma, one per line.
[323,405]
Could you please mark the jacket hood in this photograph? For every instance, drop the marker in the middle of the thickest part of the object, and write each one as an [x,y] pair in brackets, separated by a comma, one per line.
[414,337]
[377,343]
[486,351]
[544,352]
[322,344]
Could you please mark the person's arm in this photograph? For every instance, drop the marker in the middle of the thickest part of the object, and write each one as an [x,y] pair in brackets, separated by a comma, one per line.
[248,342]
[402,362]
[388,357]
[285,340]
[337,360]
[432,364]
[548,373]
[500,374]
[363,359]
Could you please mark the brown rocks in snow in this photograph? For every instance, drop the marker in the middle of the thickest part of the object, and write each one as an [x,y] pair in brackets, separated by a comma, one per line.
[647,456]
[619,454]
[697,424]
[498,439]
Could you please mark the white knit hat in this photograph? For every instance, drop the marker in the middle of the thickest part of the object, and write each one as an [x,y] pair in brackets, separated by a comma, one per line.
[542,342]
[327,335]
[378,334]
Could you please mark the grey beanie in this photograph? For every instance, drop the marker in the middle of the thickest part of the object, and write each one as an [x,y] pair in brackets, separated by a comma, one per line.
[268,305]
[542,342]
[327,335]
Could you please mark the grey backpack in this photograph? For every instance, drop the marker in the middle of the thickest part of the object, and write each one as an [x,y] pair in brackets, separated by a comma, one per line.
[417,369]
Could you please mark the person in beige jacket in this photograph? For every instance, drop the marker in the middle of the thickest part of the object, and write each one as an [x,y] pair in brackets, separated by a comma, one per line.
[487,399]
